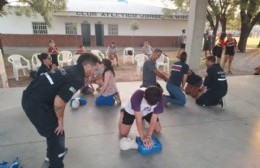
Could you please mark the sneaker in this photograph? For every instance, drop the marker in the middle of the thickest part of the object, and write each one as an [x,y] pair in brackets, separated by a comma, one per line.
[222,103]
[166,103]
[230,72]
[65,153]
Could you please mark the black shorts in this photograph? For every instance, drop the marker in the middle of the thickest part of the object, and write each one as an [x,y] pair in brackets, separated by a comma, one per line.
[217,51]
[183,45]
[230,51]
[128,119]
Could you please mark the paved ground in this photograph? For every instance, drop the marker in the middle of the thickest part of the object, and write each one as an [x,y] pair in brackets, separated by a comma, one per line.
[192,136]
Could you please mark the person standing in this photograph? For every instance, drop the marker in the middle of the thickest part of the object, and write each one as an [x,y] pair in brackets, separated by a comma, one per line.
[112,52]
[176,83]
[215,85]
[207,43]
[230,47]
[46,61]
[53,51]
[217,50]
[183,42]
[44,102]
[150,71]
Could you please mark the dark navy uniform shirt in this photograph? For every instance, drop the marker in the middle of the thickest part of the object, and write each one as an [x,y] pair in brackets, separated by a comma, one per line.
[216,78]
[42,69]
[62,82]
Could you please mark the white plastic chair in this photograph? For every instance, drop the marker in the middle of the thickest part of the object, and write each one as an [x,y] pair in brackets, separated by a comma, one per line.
[99,54]
[75,58]
[16,61]
[140,59]
[65,57]
[164,61]
[127,56]
[36,63]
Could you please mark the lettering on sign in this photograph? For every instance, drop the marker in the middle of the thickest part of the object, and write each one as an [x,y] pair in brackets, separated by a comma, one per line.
[124,15]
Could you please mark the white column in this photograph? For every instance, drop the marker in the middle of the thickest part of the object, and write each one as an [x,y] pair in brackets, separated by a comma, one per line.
[195,31]
[3,72]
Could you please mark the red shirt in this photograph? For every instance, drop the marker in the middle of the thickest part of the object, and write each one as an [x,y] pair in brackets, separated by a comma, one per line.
[53,50]
[231,43]
[221,43]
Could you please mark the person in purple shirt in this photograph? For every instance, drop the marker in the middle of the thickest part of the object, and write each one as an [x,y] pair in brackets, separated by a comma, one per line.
[145,104]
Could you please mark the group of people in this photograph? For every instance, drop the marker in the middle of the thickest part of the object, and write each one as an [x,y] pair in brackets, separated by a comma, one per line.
[229,46]
[212,91]
[45,98]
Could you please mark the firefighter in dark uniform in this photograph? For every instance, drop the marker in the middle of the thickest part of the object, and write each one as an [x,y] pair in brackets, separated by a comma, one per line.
[44,103]
[214,86]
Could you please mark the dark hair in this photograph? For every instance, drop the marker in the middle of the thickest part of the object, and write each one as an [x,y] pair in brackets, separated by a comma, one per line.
[183,30]
[152,95]
[183,56]
[87,58]
[109,67]
[80,46]
[222,36]
[157,50]
[211,59]
[43,56]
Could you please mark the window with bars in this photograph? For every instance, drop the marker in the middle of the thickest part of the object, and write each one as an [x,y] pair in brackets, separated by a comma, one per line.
[112,29]
[71,28]
[39,28]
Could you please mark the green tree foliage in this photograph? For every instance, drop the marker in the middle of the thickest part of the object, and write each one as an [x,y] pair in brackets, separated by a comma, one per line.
[134,25]
[29,7]
[250,16]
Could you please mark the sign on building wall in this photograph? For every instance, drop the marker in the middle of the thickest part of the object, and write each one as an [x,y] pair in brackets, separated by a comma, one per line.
[122,15]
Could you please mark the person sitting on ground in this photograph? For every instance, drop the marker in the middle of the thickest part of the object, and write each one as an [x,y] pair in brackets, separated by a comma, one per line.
[215,85]
[108,93]
[97,77]
[81,50]
[257,70]
[147,48]
[177,81]
[53,51]
[145,104]
[46,61]
[194,83]
[150,71]
[112,52]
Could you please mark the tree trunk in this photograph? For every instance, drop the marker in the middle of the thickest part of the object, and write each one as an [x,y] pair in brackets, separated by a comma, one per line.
[215,29]
[243,39]
[223,22]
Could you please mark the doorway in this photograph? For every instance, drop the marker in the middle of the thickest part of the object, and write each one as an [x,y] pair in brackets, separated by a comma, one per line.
[99,31]
[86,35]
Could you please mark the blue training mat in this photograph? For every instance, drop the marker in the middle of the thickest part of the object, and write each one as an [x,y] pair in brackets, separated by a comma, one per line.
[14,164]
[157,146]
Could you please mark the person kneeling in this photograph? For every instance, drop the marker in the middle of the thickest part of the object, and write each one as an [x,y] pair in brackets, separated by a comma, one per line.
[108,93]
[215,85]
[145,104]
[194,83]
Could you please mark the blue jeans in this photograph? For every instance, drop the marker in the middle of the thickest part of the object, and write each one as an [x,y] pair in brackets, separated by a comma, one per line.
[105,100]
[176,95]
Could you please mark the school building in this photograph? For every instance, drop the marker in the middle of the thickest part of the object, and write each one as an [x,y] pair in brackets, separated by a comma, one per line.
[95,23]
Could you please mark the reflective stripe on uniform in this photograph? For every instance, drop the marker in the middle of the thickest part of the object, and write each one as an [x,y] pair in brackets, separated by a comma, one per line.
[219,79]
[49,78]
[61,155]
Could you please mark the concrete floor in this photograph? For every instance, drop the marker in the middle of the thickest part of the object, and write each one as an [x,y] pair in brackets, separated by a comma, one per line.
[192,136]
